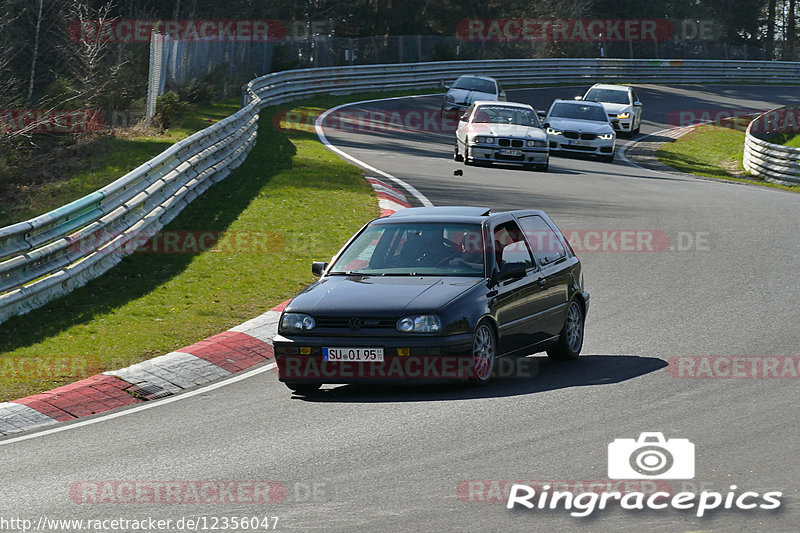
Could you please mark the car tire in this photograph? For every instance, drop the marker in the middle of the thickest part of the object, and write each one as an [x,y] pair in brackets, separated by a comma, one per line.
[303,388]
[607,158]
[636,129]
[570,339]
[484,353]
[467,161]
[456,156]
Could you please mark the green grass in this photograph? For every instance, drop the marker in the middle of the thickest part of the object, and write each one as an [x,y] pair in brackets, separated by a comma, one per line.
[792,140]
[107,158]
[712,151]
[151,304]
[709,151]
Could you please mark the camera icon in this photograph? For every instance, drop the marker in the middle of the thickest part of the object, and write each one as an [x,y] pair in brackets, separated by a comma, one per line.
[651,457]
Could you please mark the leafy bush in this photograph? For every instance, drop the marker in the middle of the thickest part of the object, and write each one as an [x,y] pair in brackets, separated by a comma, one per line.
[169,109]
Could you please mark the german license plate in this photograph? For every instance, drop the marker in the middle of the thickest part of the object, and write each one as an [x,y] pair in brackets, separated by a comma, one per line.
[353,354]
[511,152]
[578,143]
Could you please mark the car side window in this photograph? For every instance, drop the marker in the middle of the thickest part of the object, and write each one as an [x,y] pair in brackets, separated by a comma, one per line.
[509,245]
[544,241]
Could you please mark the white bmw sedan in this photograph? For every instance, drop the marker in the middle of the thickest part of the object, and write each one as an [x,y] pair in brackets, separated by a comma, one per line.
[506,133]
[621,104]
[469,88]
[580,127]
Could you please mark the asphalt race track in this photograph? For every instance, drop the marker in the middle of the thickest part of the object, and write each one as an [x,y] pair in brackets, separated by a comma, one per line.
[720,280]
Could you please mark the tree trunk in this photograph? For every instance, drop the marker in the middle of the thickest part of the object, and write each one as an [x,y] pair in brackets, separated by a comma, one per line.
[789,55]
[35,54]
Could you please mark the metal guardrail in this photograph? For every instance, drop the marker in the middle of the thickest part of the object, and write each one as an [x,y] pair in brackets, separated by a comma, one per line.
[287,85]
[52,254]
[773,162]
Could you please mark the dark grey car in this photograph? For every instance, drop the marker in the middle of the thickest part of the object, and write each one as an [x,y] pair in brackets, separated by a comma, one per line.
[425,288]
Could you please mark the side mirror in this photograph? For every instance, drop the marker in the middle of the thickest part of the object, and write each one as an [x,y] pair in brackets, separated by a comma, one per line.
[502,95]
[463,118]
[445,86]
[318,267]
[637,103]
[509,271]
[546,125]
[578,98]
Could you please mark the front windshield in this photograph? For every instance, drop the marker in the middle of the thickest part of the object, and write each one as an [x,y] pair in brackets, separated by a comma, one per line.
[506,115]
[609,96]
[475,84]
[578,111]
[441,249]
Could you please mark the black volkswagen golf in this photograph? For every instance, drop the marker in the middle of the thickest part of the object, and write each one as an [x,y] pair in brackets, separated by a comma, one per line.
[435,293]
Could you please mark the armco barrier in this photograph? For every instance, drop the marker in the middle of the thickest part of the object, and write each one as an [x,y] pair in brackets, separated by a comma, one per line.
[773,162]
[40,261]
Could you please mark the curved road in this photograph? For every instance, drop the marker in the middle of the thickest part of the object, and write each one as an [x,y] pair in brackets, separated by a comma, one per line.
[420,458]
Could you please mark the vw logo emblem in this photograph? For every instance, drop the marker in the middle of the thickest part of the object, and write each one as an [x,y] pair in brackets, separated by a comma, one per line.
[354,324]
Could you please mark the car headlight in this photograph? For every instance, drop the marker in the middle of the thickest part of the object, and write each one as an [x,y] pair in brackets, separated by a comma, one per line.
[449,98]
[551,131]
[297,322]
[605,136]
[626,114]
[487,140]
[539,144]
[419,324]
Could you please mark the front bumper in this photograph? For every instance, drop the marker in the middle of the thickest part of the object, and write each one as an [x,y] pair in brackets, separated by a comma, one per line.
[494,154]
[625,125]
[300,359]
[595,146]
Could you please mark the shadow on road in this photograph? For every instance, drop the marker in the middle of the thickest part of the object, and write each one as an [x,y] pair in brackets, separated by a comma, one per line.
[586,371]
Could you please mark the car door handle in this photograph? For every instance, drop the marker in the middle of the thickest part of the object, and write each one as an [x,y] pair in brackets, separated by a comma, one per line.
[541,282]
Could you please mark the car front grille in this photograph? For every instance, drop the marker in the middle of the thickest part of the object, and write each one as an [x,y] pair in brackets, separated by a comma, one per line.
[355,323]
[578,135]
[516,143]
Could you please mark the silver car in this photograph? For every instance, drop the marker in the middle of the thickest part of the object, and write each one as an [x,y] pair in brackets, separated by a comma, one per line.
[469,88]
[506,133]
[621,103]
[580,127]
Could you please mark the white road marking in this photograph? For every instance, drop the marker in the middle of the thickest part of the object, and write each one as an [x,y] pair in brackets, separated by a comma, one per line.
[144,406]
[324,140]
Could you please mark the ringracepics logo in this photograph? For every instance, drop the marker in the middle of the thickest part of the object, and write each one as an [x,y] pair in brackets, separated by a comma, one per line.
[650,456]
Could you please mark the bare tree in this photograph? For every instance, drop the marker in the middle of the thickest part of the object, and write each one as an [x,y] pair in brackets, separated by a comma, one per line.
[85,58]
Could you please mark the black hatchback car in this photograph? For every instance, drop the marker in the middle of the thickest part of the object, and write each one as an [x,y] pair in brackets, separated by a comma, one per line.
[435,293]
